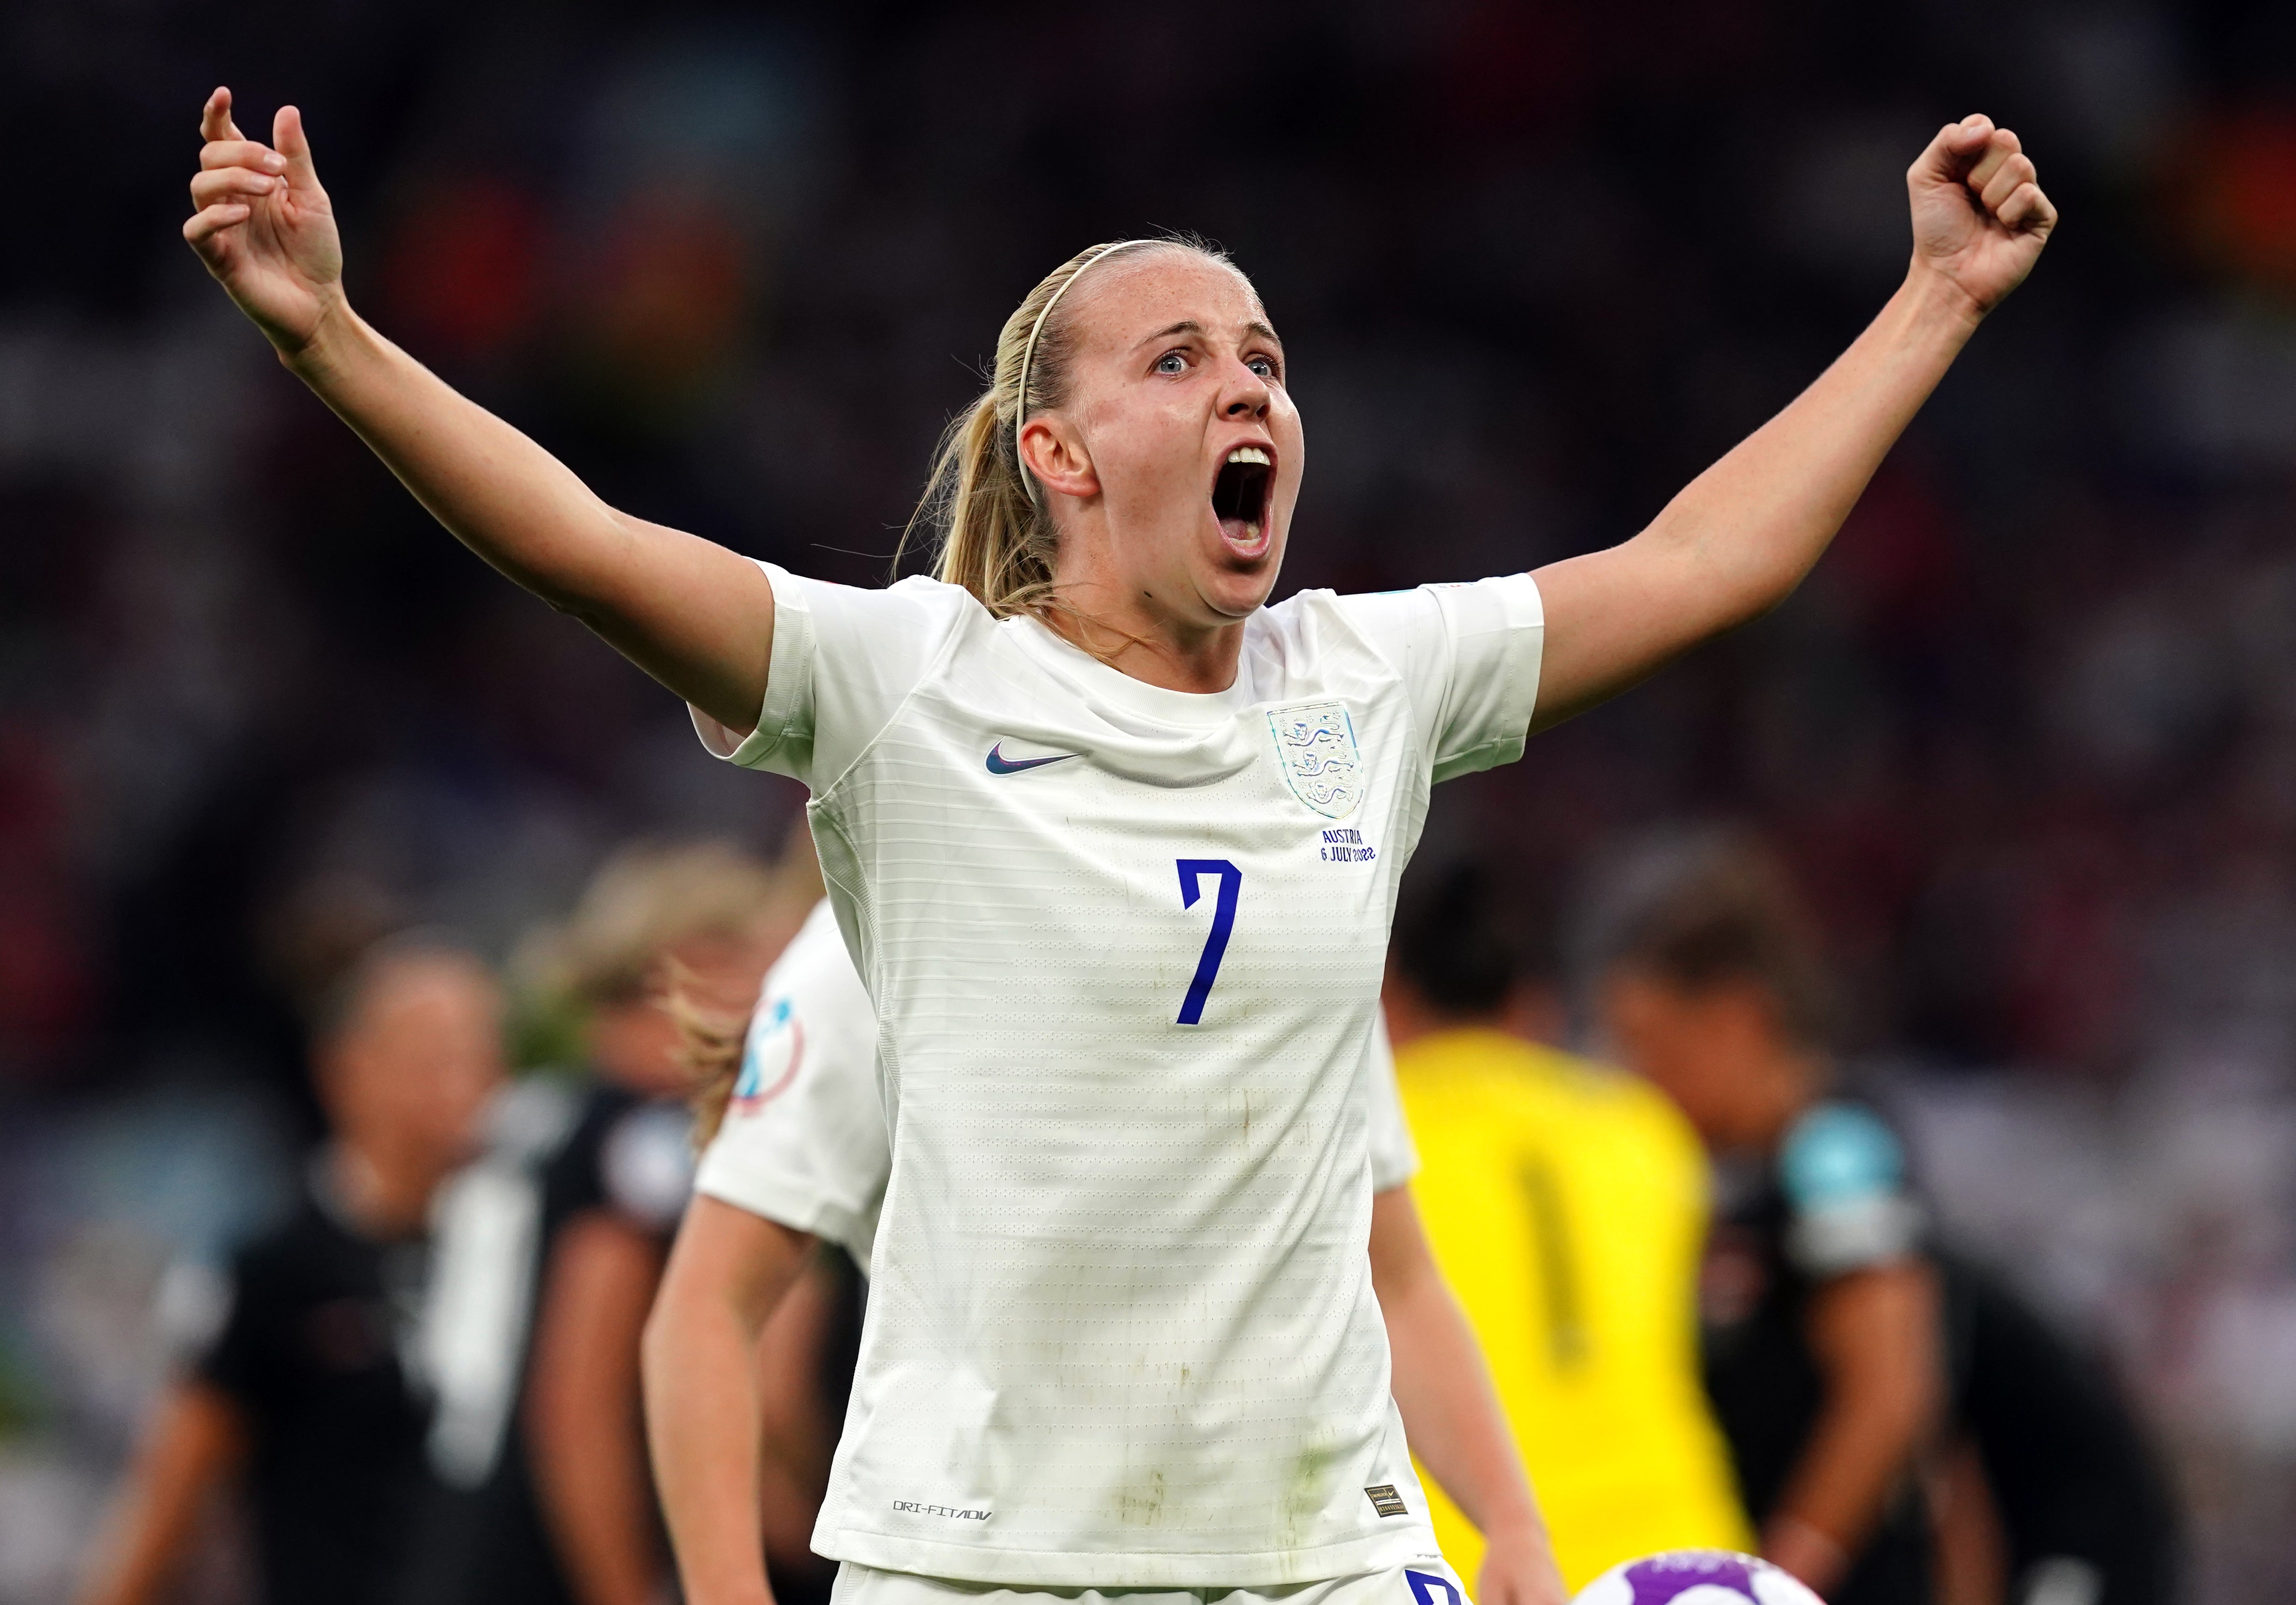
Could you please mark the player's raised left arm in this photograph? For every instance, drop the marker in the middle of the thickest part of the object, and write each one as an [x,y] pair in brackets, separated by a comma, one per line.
[1740,537]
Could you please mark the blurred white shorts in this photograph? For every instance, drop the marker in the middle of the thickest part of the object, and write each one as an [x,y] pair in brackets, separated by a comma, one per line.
[1428,1581]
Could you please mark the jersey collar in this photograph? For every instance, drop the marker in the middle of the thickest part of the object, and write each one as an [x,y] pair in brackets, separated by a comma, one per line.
[1106,685]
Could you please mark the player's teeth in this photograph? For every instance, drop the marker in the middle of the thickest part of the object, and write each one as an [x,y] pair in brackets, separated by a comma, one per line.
[1250,454]
[1251,531]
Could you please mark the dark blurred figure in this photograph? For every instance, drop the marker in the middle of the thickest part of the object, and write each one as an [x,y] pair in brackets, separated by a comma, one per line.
[1820,1309]
[2048,1493]
[307,1392]
[550,1248]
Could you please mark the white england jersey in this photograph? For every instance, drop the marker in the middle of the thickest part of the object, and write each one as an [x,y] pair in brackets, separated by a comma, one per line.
[1124,946]
[804,1140]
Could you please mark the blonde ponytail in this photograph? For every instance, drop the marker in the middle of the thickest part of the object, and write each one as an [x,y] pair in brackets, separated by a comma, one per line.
[709,1043]
[995,536]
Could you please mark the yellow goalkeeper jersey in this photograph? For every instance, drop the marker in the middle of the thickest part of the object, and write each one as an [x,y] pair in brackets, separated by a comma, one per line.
[1566,1205]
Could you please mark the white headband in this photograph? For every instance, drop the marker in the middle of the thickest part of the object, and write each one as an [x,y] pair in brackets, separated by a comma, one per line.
[1029,351]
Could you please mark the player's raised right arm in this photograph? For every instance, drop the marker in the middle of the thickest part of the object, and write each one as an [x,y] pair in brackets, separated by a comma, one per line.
[696,616]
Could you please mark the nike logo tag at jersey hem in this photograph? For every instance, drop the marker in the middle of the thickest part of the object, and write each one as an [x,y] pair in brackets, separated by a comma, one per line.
[999,765]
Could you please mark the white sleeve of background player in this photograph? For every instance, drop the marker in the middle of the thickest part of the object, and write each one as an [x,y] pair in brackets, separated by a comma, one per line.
[1394,1161]
[804,1141]
[844,657]
[1470,655]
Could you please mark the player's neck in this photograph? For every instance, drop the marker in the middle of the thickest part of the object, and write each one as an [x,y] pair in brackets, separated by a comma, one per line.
[1529,1013]
[386,1193]
[1410,1019]
[1139,635]
[1790,1080]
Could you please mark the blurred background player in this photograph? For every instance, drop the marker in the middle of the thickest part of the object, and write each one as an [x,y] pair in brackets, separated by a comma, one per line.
[1566,1204]
[815,1194]
[550,1248]
[2049,1491]
[749,1350]
[1821,1312]
[303,1394]
[802,1155]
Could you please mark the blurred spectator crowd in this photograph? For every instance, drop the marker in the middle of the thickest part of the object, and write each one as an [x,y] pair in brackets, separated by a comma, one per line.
[2029,736]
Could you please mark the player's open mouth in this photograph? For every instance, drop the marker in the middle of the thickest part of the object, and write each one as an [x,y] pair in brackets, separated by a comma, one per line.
[1239,497]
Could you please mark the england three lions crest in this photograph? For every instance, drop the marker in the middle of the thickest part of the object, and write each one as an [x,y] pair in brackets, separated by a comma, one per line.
[1315,743]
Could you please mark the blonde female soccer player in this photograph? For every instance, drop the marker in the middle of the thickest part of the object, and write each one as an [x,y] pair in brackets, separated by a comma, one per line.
[1114,845]
[801,1153]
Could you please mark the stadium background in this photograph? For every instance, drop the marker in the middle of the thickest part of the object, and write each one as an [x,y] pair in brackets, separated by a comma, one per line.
[2029,735]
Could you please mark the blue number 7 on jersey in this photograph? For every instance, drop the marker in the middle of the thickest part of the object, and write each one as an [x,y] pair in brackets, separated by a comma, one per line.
[1231,881]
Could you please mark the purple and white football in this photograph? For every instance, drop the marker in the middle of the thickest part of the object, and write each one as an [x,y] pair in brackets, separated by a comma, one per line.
[1696,1578]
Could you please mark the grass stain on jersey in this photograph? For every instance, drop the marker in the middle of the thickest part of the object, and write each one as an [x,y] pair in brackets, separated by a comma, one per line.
[1143,1505]
[1307,1492]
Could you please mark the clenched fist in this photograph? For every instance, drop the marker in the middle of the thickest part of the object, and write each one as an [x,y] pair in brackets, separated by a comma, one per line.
[1979,217]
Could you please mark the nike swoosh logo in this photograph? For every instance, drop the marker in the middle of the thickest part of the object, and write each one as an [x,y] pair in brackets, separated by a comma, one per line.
[999,765]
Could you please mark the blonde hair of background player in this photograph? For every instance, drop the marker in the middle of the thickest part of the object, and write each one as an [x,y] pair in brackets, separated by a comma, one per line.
[996,538]
[684,929]
[648,899]
[710,1036]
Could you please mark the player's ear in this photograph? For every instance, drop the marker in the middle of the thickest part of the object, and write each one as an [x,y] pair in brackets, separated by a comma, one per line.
[1050,449]
[1537,1011]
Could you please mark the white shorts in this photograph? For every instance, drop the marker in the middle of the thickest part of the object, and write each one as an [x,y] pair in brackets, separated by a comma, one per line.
[1428,1581]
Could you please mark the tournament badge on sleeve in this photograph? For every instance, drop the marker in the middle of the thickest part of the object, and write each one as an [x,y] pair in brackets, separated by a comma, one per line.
[769,1059]
[1316,742]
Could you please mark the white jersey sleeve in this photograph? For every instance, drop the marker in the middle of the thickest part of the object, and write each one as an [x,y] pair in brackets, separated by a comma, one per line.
[843,660]
[1469,655]
[1394,1161]
[804,1140]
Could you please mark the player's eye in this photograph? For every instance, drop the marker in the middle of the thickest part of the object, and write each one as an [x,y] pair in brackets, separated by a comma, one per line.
[1172,362]
[1265,366]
